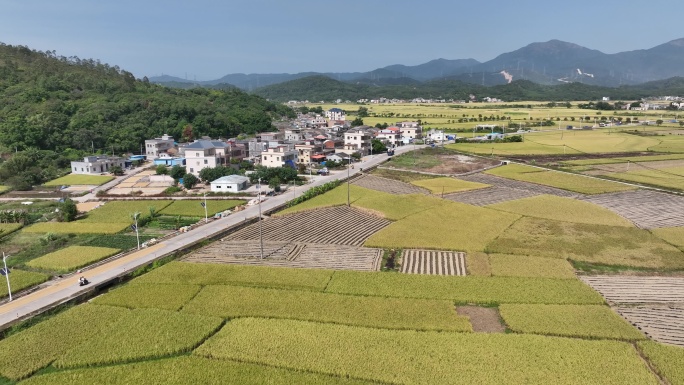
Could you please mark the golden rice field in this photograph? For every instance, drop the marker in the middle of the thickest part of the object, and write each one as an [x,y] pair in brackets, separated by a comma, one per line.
[599,161]
[562,142]
[583,321]
[598,244]
[565,181]
[9,228]
[193,208]
[448,185]
[189,322]
[142,334]
[20,280]
[666,359]
[395,313]
[25,353]
[390,206]
[185,370]
[71,258]
[469,289]
[156,296]
[454,358]
[673,235]
[451,226]
[671,177]
[562,209]
[503,265]
[80,179]
[122,211]
[77,227]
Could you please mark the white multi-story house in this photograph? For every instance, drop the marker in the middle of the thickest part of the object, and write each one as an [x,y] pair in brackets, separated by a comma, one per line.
[97,164]
[435,135]
[203,153]
[391,136]
[357,140]
[335,114]
[410,131]
[279,156]
[156,146]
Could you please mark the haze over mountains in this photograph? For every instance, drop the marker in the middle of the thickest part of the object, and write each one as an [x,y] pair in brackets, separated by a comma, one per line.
[551,62]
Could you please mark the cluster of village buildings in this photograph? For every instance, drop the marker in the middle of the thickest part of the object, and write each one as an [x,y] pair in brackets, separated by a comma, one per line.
[311,139]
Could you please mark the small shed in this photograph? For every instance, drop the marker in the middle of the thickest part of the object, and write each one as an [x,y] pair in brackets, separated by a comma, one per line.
[230,183]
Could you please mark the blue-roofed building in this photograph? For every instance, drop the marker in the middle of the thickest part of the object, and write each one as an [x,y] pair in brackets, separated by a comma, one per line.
[335,114]
[204,153]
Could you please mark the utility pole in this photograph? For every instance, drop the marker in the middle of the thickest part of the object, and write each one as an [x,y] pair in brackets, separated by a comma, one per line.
[348,167]
[204,204]
[6,273]
[261,226]
[135,227]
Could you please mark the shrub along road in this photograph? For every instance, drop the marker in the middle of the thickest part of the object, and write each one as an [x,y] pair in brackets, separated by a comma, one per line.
[62,290]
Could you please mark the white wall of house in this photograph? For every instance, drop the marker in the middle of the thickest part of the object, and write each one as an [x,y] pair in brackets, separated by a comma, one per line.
[278,157]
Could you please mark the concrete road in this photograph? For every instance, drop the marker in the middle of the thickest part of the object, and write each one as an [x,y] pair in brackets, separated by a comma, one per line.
[62,290]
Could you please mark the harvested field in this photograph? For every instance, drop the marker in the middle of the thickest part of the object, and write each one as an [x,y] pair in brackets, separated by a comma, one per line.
[634,290]
[483,319]
[490,195]
[661,323]
[655,305]
[334,225]
[283,254]
[432,262]
[519,185]
[647,209]
[391,186]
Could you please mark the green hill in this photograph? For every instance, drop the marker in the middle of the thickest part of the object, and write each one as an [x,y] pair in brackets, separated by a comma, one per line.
[51,102]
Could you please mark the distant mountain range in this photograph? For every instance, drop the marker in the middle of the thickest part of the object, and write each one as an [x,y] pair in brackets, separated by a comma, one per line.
[549,63]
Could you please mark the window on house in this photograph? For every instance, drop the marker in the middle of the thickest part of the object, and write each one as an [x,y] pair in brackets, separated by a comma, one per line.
[191,169]
[198,155]
[198,163]
[218,186]
[206,161]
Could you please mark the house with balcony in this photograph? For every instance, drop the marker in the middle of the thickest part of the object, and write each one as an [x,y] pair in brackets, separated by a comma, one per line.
[156,146]
[391,137]
[357,140]
[280,156]
[335,114]
[204,153]
[410,131]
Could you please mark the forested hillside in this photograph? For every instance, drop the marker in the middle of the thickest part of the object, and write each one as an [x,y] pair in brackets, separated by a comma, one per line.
[57,103]
[318,88]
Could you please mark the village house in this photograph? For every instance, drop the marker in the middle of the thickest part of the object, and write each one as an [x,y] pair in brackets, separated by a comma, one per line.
[204,153]
[391,136]
[435,135]
[279,156]
[357,140]
[156,146]
[97,164]
[410,131]
[335,114]
[230,183]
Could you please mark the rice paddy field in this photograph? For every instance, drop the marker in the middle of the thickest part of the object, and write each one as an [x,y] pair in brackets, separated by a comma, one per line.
[191,321]
[80,179]
[448,185]
[565,181]
[71,258]
[110,218]
[193,208]
[194,322]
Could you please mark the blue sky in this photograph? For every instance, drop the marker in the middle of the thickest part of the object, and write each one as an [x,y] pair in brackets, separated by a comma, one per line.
[206,39]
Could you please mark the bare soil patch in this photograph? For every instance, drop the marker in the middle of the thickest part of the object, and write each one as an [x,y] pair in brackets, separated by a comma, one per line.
[483,319]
